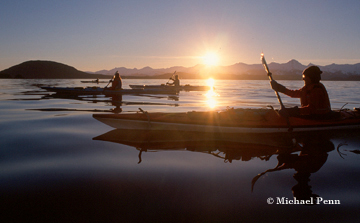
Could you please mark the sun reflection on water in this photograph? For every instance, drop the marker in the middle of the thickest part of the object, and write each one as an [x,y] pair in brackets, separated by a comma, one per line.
[211,95]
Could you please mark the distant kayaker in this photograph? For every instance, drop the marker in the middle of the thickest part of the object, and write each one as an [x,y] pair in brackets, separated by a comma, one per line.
[176,81]
[117,82]
[313,96]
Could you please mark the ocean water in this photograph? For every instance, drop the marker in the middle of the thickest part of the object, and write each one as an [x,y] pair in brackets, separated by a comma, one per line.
[58,163]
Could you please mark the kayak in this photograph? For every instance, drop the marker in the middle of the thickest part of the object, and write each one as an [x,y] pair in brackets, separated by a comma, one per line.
[94,81]
[186,87]
[105,91]
[231,120]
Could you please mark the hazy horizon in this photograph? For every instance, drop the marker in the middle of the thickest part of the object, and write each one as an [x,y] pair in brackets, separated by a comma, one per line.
[165,68]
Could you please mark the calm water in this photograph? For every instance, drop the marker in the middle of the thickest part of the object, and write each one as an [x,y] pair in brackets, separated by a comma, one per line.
[53,166]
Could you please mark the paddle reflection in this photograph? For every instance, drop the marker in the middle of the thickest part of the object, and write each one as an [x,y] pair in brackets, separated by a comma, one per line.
[305,159]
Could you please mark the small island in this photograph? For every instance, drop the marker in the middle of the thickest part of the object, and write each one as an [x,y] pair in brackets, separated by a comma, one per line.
[46,70]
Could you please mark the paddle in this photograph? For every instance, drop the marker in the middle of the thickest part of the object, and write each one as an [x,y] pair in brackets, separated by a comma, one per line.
[109,82]
[277,168]
[270,77]
[277,93]
[170,78]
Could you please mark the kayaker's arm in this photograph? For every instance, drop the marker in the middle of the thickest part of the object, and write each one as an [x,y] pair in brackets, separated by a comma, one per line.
[281,88]
[286,112]
[319,103]
[277,87]
[108,83]
[170,79]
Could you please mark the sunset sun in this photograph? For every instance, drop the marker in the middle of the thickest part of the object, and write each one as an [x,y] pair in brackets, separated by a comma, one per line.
[210,59]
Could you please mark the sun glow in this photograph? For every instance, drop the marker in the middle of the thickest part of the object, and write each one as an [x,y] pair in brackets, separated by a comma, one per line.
[210,82]
[210,59]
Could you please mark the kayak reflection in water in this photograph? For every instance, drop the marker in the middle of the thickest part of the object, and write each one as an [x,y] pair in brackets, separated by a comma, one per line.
[313,96]
[176,81]
[312,157]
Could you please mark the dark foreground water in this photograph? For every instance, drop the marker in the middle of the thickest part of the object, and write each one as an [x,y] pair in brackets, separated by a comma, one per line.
[57,163]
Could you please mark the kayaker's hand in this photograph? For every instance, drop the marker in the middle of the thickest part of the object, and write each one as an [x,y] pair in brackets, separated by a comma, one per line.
[284,113]
[277,87]
[289,112]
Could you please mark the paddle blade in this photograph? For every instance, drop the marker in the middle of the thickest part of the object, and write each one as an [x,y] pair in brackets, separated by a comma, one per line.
[263,61]
[277,168]
[254,181]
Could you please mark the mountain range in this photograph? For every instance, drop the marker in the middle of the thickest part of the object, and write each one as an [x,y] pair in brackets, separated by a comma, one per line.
[291,70]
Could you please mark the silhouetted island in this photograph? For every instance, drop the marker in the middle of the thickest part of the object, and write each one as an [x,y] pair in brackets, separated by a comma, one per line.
[46,70]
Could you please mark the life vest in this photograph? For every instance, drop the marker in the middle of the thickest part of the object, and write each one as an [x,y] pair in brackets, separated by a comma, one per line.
[314,99]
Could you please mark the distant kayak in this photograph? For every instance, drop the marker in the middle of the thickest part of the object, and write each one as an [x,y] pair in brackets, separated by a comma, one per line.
[186,87]
[230,121]
[105,91]
[94,81]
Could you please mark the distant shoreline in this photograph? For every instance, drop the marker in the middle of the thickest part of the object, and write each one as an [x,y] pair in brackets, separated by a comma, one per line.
[290,71]
[162,78]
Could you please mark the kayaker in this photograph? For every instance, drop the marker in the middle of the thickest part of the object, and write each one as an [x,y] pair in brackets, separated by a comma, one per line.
[176,81]
[313,96]
[117,82]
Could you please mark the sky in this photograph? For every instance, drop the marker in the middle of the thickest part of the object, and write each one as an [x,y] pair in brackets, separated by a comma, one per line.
[92,35]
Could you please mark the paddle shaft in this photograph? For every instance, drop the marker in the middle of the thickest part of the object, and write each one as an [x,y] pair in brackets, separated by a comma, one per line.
[271,79]
[277,93]
[108,83]
[170,78]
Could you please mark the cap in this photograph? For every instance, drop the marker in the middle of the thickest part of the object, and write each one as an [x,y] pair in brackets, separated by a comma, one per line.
[314,73]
